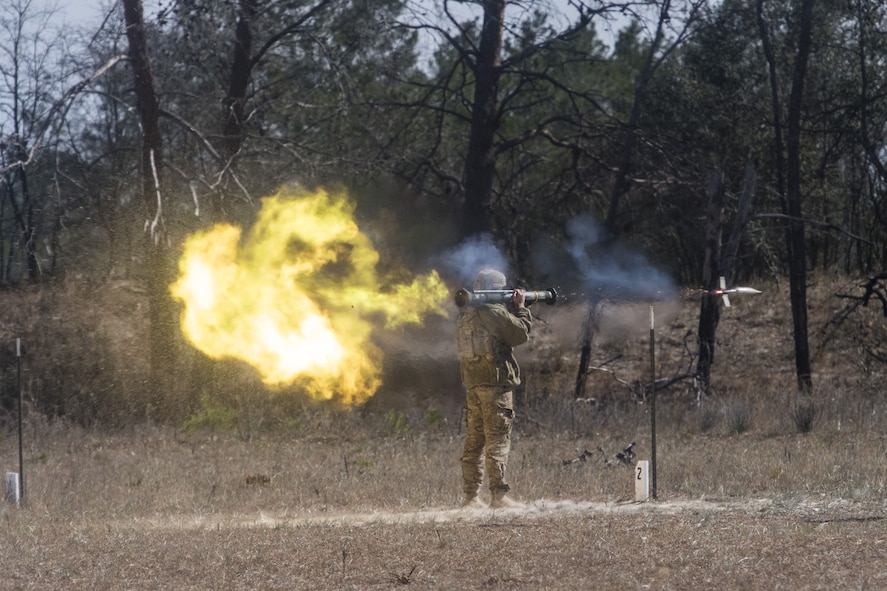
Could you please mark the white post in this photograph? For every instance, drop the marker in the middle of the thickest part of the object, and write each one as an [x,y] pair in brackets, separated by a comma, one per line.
[13,491]
[642,481]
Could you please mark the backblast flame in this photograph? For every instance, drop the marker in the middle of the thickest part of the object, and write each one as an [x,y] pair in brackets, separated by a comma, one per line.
[298,297]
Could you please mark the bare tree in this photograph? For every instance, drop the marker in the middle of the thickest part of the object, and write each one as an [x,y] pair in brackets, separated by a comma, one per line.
[871,133]
[480,161]
[26,100]
[718,262]
[244,59]
[660,47]
[160,269]
[788,174]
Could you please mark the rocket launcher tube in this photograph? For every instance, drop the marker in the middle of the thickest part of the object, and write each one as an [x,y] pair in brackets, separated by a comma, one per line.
[465,297]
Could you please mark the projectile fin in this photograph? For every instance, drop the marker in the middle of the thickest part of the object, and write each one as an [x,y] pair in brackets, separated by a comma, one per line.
[724,288]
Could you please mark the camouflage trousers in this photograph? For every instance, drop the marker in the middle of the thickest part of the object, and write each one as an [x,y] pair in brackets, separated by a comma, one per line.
[489,414]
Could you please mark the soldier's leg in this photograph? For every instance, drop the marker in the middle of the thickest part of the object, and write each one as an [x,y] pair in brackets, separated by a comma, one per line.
[498,420]
[472,452]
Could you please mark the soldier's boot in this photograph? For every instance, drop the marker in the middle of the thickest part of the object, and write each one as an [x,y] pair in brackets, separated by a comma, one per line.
[473,502]
[501,500]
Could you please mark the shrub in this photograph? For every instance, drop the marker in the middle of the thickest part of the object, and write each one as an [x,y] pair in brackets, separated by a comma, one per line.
[395,423]
[739,418]
[435,422]
[707,418]
[212,416]
[804,416]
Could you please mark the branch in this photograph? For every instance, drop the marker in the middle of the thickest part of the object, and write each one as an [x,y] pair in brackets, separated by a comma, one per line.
[466,52]
[60,105]
[226,168]
[817,223]
[193,130]
[872,289]
[157,222]
[286,31]
[565,35]
[612,372]
[664,383]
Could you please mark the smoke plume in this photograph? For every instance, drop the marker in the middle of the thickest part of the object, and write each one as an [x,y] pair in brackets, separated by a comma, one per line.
[591,265]
[464,261]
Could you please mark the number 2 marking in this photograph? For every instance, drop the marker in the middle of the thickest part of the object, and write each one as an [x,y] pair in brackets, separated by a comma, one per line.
[639,472]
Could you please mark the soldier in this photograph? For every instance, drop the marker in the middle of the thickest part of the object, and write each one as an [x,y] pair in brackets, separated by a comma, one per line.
[485,339]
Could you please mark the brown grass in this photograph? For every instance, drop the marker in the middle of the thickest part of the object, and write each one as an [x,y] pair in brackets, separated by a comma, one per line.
[156,509]
[369,499]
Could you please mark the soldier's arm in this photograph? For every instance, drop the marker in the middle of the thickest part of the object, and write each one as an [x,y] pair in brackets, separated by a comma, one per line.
[515,326]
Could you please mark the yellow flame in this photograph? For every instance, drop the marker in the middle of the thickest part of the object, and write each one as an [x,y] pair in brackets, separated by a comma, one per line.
[297,298]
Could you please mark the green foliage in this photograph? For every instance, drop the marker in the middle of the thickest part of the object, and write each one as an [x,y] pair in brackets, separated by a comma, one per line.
[291,425]
[345,95]
[395,422]
[435,421]
[211,416]
[345,98]
[361,461]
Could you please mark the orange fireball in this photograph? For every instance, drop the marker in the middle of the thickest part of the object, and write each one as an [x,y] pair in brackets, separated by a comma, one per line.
[298,297]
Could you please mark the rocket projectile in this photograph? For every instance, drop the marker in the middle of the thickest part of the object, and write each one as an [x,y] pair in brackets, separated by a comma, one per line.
[736,290]
[746,290]
[724,292]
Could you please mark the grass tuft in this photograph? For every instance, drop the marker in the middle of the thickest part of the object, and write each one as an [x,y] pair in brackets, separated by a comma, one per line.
[211,416]
[804,415]
[739,415]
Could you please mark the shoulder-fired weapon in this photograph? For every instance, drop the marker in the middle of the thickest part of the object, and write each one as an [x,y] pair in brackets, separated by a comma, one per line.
[465,297]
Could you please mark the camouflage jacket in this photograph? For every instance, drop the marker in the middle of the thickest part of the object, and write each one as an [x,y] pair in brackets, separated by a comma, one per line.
[485,339]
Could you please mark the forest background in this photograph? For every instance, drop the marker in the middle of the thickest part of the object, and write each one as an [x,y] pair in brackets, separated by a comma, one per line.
[736,139]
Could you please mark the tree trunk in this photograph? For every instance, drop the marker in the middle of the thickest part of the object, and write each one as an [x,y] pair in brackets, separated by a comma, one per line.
[795,236]
[241,69]
[31,243]
[790,190]
[589,327]
[480,162]
[729,250]
[25,216]
[159,262]
[718,263]
[710,312]
[622,183]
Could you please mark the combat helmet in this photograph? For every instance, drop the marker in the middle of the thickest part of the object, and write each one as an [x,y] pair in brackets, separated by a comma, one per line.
[489,279]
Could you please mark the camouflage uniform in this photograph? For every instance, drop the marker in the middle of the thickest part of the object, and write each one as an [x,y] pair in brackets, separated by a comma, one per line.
[485,341]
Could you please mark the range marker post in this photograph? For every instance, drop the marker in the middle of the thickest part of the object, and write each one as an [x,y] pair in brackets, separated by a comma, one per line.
[652,402]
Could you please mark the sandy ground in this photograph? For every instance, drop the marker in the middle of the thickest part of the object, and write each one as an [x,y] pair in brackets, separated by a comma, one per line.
[821,510]
[690,544]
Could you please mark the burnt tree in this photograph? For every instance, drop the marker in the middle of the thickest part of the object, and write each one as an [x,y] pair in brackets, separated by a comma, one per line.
[480,161]
[787,159]
[159,262]
[718,262]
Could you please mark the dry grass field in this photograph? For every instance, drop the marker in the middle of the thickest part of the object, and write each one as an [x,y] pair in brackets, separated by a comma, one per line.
[750,496]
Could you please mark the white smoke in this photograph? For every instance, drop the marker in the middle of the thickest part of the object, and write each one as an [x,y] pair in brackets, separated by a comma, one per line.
[474,254]
[588,263]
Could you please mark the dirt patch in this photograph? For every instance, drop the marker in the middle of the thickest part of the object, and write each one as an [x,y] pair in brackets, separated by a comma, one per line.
[565,545]
[818,511]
